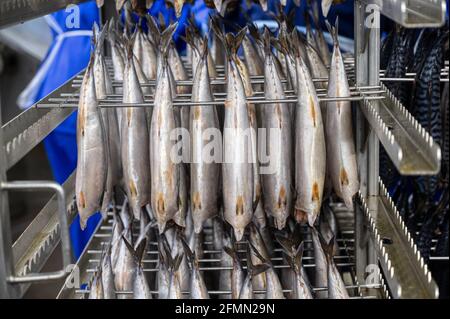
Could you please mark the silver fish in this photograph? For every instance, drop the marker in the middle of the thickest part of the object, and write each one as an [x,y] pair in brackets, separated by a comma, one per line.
[259,255]
[165,177]
[96,286]
[301,286]
[175,291]
[197,285]
[135,142]
[103,87]
[238,174]
[237,273]
[124,269]
[277,184]
[204,175]
[341,154]
[92,156]
[118,228]
[247,291]
[141,288]
[225,261]
[321,269]
[145,53]
[109,290]
[310,151]
[163,272]
[273,287]
[336,286]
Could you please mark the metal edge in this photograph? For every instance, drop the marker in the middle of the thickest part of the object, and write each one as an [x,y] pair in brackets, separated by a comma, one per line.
[30,127]
[422,284]
[413,13]
[37,243]
[18,11]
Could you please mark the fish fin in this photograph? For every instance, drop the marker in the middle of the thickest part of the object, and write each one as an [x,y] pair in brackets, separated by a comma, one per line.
[267,40]
[166,39]
[257,254]
[254,32]
[254,270]
[140,249]
[299,255]
[154,30]
[286,244]
[328,247]
[177,262]
[333,31]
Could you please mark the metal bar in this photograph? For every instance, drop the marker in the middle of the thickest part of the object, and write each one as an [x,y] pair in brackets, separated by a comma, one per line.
[30,127]
[412,13]
[18,11]
[64,228]
[411,149]
[405,271]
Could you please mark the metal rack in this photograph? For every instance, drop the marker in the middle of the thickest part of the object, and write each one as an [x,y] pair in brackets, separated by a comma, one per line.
[403,272]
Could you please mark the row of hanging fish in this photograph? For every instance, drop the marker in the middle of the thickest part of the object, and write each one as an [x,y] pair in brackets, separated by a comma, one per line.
[222,6]
[248,269]
[129,149]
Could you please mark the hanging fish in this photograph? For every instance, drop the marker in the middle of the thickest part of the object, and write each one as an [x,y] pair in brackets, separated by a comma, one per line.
[205,175]
[92,164]
[310,149]
[341,154]
[165,177]
[237,169]
[135,141]
[103,88]
[277,121]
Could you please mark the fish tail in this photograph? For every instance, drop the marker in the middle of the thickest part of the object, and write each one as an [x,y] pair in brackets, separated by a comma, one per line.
[334,31]
[166,39]
[266,41]
[328,247]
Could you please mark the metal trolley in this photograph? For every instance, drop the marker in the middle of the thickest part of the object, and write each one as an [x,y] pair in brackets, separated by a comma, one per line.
[400,271]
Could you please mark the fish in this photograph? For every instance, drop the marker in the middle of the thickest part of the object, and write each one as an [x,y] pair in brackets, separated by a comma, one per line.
[124,268]
[274,289]
[140,285]
[175,291]
[92,167]
[118,228]
[237,273]
[301,286]
[145,53]
[238,175]
[310,149]
[205,175]
[107,276]
[328,226]
[322,45]
[163,270]
[165,177]
[336,286]
[247,291]
[256,240]
[198,288]
[134,141]
[96,287]
[321,268]
[277,184]
[341,154]
[103,87]
[225,279]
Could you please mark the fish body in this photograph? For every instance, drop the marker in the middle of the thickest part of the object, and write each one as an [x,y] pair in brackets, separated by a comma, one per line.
[276,118]
[310,151]
[341,154]
[321,268]
[237,170]
[96,287]
[237,273]
[204,174]
[92,164]
[109,290]
[336,286]
[135,143]
[103,87]
[124,269]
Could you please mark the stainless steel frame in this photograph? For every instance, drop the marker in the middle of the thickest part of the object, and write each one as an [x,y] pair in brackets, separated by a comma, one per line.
[374,219]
